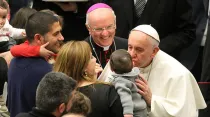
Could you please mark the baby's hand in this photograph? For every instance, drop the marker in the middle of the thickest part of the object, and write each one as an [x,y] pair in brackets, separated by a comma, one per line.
[44,52]
[23,34]
[128,115]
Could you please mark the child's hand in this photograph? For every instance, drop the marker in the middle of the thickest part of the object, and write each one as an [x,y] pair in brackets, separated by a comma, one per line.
[44,52]
[98,68]
[24,34]
[128,115]
[51,60]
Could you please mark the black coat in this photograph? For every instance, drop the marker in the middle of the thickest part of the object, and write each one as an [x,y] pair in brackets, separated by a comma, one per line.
[173,21]
[119,43]
[35,113]
[205,75]
[3,74]
[124,11]
[171,18]
[74,23]
[189,55]
[15,5]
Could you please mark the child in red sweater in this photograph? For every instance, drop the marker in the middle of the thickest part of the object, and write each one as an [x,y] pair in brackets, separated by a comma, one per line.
[27,50]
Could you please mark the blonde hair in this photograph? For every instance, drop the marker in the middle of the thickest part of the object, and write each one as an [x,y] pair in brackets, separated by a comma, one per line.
[73,59]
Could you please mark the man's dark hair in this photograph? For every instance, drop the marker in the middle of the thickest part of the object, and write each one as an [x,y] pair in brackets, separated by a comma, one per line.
[54,89]
[4,4]
[121,61]
[39,23]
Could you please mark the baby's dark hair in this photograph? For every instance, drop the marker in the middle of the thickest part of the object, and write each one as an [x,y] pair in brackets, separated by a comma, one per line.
[121,61]
[4,4]
[81,104]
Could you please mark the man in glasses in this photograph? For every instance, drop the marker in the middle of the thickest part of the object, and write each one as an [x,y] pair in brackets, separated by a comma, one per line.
[101,24]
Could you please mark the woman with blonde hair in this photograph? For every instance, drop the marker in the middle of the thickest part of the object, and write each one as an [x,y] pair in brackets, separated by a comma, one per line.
[75,59]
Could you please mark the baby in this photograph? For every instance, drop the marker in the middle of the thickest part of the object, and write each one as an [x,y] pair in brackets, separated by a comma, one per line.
[123,78]
[81,106]
[6,30]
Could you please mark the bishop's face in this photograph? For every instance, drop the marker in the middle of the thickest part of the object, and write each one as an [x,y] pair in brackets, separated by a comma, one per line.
[102,28]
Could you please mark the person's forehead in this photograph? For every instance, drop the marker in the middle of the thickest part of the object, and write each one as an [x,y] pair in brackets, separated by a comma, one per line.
[138,39]
[100,14]
[56,26]
[3,11]
[138,35]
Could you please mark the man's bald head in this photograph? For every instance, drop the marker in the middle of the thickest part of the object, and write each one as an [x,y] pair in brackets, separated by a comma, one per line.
[99,10]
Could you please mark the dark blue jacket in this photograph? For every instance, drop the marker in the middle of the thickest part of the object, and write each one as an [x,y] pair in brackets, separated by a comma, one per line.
[24,76]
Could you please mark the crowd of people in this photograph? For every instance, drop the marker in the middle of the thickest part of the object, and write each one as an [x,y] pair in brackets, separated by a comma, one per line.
[104,58]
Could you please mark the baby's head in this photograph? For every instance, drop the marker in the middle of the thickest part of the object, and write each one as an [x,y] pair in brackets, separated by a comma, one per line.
[81,105]
[121,61]
[3,12]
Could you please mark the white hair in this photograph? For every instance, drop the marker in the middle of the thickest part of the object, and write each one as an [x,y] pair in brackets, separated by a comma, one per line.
[153,41]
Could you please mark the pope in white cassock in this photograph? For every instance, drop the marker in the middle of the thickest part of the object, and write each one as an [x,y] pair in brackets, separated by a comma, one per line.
[169,89]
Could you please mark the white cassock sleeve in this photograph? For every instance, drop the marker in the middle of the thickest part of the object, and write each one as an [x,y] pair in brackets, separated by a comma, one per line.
[181,98]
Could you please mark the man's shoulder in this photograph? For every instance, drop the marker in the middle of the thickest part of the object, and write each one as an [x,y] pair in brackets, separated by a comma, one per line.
[120,39]
[87,38]
[169,64]
[30,62]
[165,58]
[121,43]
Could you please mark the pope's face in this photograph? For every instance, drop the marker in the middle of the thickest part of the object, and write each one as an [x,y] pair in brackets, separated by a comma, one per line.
[140,49]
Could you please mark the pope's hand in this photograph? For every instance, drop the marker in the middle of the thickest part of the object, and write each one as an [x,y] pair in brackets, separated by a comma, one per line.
[144,90]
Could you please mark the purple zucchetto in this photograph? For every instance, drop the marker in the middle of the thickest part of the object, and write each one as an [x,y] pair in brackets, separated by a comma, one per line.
[97,6]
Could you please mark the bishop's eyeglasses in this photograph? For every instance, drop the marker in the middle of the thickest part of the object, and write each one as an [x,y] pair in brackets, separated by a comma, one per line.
[99,30]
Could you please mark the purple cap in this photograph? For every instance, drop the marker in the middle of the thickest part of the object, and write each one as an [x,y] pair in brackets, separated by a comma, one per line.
[97,6]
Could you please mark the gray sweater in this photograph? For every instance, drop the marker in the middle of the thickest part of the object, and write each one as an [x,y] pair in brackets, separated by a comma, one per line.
[131,100]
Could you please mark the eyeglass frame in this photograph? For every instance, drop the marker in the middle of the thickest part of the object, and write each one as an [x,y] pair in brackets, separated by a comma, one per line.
[100,30]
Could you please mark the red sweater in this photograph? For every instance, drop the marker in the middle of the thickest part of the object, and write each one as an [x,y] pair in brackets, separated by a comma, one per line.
[25,50]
